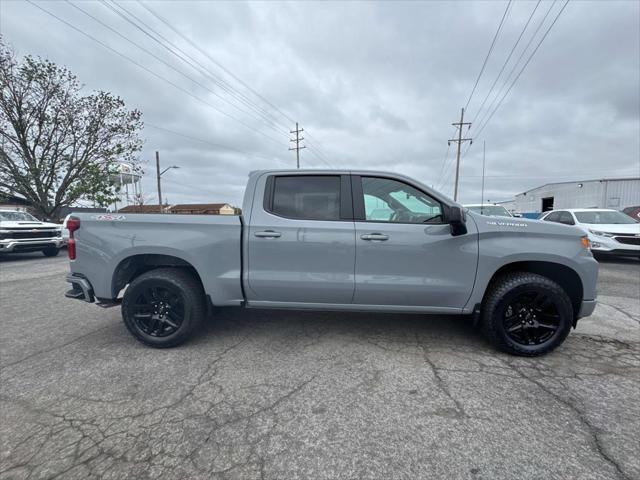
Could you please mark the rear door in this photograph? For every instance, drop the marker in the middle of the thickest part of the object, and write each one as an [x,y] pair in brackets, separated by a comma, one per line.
[301,244]
[566,218]
[552,217]
[405,253]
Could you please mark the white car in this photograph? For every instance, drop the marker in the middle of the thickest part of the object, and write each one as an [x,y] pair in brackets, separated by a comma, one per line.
[22,232]
[609,231]
[489,209]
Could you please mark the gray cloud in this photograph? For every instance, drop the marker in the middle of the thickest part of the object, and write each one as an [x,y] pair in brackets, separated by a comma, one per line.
[375,85]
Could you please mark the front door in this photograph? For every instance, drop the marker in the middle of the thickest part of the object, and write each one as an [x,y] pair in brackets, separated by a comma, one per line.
[405,254]
[301,241]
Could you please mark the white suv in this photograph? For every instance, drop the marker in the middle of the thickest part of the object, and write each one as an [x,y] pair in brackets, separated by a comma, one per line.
[609,231]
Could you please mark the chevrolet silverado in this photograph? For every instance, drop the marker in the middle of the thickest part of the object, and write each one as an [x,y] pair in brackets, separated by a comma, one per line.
[337,240]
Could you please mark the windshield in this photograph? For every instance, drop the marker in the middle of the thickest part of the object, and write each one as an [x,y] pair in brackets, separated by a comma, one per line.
[490,210]
[603,217]
[17,217]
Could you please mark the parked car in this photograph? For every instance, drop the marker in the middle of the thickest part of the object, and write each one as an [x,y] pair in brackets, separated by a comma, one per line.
[489,209]
[610,231]
[307,240]
[633,212]
[22,232]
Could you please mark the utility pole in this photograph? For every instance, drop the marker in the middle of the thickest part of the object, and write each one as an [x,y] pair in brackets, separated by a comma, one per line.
[484,145]
[158,178]
[459,141]
[297,141]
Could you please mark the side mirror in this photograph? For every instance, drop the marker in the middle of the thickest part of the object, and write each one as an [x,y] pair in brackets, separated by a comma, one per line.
[517,215]
[457,219]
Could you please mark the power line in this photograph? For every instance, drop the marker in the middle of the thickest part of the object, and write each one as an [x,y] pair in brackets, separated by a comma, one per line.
[231,74]
[517,62]
[213,60]
[315,154]
[523,67]
[70,25]
[504,65]
[208,142]
[199,67]
[493,42]
[315,143]
[444,162]
[193,63]
[513,69]
[156,57]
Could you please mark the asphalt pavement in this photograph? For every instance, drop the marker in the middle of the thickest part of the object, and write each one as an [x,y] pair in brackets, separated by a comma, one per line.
[286,395]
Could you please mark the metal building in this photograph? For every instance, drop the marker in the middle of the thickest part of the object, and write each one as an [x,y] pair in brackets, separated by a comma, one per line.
[615,193]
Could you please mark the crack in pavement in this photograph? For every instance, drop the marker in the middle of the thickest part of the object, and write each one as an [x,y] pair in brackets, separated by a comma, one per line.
[593,431]
[622,311]
[51,349]
[439,380]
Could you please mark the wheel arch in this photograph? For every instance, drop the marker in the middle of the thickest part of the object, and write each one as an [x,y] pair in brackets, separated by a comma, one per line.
[565,276]
[135,265]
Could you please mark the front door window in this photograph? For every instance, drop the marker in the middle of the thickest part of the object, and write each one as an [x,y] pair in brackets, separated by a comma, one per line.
[387,200]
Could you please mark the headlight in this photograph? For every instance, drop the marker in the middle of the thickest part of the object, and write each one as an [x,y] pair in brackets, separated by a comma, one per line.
[601,234]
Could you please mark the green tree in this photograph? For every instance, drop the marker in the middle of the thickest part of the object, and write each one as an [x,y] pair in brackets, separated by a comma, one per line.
[56,145]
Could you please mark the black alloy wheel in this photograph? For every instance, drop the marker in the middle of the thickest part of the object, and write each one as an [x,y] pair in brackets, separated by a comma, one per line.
[526,314]
[163,307]
[532,317]
[159,311]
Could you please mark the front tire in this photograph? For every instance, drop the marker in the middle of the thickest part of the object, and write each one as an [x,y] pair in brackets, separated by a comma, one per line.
[526,314]
[51,252]
[163,307]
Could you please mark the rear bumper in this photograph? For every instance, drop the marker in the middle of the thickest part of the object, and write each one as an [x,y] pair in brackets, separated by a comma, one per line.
[81,289]
[586,308]
[8,246]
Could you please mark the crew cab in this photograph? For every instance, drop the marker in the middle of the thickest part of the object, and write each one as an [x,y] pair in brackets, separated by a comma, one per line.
[22,232]
[315,239]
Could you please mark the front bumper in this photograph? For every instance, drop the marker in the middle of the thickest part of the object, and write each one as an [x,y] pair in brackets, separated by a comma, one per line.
[586,308]
[609,245]
[26,245]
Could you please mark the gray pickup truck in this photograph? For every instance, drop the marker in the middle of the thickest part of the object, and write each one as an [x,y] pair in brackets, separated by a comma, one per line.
[337,240]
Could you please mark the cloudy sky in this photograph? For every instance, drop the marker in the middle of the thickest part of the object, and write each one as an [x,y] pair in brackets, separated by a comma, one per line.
[375,85]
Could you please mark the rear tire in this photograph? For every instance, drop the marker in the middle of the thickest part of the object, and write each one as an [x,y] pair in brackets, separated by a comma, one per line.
[162,308]
[526,314]
[51,252]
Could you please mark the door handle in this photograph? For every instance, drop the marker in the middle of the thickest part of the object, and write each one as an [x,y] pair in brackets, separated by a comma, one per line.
[374,236]
[267,234]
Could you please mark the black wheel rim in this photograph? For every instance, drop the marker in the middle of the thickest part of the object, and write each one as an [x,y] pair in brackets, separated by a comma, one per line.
[532,318]
[159,311]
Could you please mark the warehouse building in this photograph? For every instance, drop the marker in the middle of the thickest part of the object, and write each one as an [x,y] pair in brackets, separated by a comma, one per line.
[615,193]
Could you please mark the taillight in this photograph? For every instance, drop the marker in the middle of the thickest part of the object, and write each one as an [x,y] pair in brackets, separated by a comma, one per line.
[73,224]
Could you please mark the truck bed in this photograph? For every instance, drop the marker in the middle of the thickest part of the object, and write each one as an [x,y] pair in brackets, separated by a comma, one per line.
[107,245]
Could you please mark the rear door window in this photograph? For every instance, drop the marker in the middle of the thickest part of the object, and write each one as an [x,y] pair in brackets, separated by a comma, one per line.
[307,197]
[566,218]
[552,217]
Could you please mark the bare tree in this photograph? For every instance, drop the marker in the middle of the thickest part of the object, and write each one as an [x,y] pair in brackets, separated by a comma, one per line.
[57,146]
[141,198]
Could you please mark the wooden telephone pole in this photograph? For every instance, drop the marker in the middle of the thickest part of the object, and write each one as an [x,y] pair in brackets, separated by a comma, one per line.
[459,141]
[297,141]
